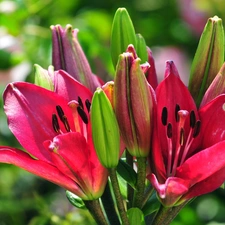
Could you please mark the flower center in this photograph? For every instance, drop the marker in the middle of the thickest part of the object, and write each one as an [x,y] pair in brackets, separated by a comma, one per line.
[80,117]
[180,136]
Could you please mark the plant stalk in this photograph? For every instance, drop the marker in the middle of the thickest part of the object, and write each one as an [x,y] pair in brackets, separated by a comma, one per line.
[118,196]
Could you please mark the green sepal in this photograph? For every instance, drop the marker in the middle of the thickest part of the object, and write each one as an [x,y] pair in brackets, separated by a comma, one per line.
[152,205]
[75,200]
[127,173]
[208,58]
[105,130]
[141,48]
[136,216]
[122,35]
[42,77]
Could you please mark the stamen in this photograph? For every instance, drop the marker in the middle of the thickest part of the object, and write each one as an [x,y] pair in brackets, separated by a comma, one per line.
[181,136]
[82,114]
[177,109]
[197,129]
[192,119]
[60,112]
[80,102]
[164,116]
[63,118]
[88,105]
[169,130]
[66,124]
[55,123]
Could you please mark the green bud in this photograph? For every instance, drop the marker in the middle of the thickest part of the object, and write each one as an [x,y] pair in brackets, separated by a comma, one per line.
[208,58]
[123,34]
[141,48]
[105,130]
[75,200]
[43,78]
[136,216]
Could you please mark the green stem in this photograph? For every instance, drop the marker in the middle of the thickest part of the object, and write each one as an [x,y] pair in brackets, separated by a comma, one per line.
[109,206]
[166,215]
[118,196]
[130,190]
[140,187]
[95,209]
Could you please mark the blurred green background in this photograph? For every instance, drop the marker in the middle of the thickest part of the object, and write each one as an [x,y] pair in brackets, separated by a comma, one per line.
[171,28]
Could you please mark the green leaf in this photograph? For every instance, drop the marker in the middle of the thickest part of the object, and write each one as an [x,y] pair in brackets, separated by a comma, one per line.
[151,205]
[136,216]
[127,173]
[75,200]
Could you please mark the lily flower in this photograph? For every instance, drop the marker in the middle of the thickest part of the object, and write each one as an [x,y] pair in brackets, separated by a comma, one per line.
[188,152]
[54,129]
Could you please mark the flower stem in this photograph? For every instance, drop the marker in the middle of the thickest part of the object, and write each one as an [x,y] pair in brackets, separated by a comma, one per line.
[109,206]
[140,187]
[130,190]
[118,196]
[95,209]
[166,215]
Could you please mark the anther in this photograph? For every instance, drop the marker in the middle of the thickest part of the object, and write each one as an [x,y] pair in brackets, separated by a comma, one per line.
[177,109]
[197,129]
[164,116]
[55,123]
[88,105]
[82,114]
[66,124]
[192,119]
[169,130]
[80,102]
[60,112]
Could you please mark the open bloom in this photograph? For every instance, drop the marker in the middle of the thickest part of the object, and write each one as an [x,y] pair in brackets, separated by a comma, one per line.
[54,129]
[188,152]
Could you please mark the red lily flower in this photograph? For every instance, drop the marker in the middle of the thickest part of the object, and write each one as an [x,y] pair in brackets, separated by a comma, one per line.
[54,129]
[188,152]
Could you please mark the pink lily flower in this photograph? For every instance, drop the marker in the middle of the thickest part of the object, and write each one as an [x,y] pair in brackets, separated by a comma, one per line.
[188,152]
[55,131]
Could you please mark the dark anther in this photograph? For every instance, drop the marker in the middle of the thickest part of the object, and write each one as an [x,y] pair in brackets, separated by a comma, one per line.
[88,105]
[60,112]
[192,119]
[181,136]
[169,130]
[177,109]
[82,114]
[197,129]
[164,116]
[55,123]
[66,124]
[80,102]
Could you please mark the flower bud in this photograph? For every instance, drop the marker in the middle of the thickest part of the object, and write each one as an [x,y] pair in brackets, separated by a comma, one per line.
[43,77]
[68,55]
[123,34]
[133,105]
[105,130]
[208,58]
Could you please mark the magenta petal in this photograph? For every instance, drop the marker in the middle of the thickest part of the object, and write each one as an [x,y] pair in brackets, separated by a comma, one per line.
[29,110]
[171,191]
[168,96]
[39,168]
[212,117]
[74,157]
[69,88]
[203,165]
